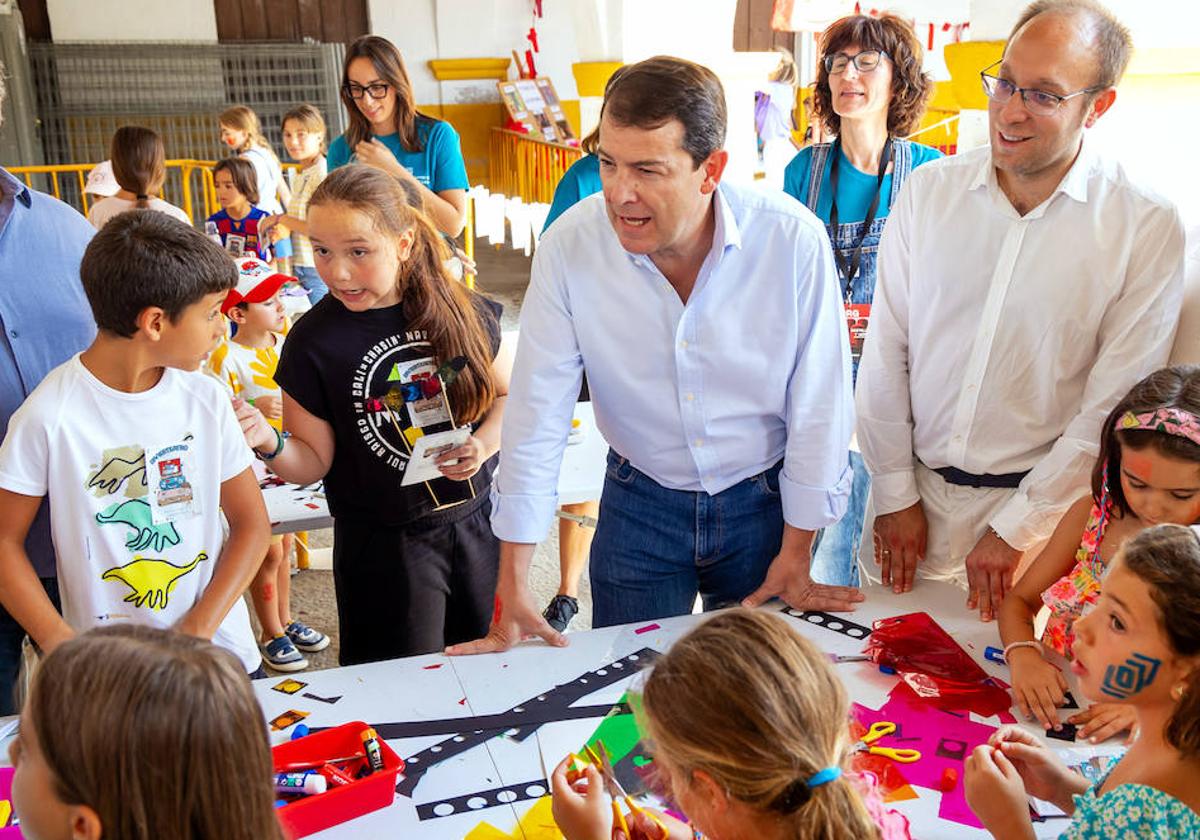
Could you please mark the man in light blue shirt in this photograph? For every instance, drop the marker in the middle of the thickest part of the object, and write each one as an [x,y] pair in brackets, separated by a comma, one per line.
[44,319]
[709,320]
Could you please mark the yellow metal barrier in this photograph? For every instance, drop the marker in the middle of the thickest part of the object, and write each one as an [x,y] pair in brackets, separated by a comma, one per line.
[191,180]
[525,166]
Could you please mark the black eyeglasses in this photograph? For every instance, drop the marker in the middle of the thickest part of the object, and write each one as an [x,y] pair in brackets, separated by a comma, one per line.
[375,90]
[1038,102]
[864,62]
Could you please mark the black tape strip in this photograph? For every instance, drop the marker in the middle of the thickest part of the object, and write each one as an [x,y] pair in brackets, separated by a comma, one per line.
[558,699]
[483,800]
[495,724]
[837,623]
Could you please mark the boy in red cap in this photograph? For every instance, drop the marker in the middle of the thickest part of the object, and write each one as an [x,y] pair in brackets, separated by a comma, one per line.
[245,365]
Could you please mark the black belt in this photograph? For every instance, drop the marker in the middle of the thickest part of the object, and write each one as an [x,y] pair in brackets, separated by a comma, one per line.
[953,475]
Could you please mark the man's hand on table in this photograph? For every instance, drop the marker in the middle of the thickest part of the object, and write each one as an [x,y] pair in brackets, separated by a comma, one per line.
[990,567]
[515,616]
[788,578]
[900,545]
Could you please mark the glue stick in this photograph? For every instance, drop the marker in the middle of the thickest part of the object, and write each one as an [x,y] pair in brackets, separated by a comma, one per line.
[371,745]
[308,783]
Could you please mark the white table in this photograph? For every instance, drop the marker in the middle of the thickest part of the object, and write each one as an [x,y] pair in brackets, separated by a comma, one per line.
[436,687]
[291,508]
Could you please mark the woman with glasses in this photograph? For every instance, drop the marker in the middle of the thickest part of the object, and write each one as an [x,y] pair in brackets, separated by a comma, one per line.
[388,132]
[870,92]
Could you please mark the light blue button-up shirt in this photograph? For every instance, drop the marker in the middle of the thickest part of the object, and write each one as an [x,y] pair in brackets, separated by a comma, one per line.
[754,368]
[44,316]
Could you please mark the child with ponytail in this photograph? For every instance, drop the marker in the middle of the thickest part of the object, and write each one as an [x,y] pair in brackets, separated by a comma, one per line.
[1148,473]
[1139,646]
[750,731]
[414,564]
[139,168]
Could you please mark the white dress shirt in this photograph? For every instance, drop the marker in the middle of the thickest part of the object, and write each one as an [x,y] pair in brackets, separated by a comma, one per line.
[755,367]
[998,342]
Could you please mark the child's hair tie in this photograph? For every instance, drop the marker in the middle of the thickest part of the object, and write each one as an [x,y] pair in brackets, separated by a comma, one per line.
[141,196]
[823,776]
[795,795]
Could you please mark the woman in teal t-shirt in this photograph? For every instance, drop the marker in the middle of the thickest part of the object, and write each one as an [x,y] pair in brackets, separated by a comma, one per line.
[388,132]
[870,92]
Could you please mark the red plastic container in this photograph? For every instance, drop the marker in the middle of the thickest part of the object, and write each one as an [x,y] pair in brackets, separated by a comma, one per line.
[310,814]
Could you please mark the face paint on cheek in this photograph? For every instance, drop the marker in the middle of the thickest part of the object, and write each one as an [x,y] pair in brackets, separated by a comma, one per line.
[1123,681]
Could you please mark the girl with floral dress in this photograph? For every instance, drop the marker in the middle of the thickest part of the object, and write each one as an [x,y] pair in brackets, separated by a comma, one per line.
[1148,473]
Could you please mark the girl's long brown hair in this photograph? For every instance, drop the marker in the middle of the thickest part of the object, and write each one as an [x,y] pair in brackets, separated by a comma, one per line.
[447,311]
[389,64]
[138,161]
[750,702]
[158,732]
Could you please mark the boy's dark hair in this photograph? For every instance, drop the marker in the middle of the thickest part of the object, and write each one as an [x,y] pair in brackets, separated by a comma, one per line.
[1174,387]
[145,258]
[241,171]
[653,92]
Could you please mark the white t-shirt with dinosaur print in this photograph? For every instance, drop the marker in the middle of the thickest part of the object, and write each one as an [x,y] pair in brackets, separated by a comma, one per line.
[134,482]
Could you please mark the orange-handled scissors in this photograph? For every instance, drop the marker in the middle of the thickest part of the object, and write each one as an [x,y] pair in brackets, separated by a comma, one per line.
[879,729]
[600,759]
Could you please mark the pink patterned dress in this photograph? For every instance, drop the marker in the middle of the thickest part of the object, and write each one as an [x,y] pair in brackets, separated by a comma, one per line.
[1080,587]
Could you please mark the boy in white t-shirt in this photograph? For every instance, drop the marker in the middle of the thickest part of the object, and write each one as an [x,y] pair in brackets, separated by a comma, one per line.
[138,454]
[245,365]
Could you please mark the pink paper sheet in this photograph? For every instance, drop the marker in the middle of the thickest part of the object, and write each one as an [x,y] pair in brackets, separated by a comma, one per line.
[919,720]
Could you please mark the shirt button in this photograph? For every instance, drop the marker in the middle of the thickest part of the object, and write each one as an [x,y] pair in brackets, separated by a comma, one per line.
[14,333]
[958,438]
[683,344]
[691,397]
[971,387]
[699,442]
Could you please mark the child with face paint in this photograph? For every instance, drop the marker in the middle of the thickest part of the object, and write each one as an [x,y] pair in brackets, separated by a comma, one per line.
[1147,473]
[1139,644]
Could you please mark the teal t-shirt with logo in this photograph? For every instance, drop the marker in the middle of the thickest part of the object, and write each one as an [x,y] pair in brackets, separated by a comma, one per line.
[438,166]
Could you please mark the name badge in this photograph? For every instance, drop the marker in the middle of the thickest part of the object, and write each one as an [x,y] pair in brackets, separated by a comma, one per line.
[857,316]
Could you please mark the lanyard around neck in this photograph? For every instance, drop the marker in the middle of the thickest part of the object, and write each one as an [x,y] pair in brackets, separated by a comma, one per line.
[849,268]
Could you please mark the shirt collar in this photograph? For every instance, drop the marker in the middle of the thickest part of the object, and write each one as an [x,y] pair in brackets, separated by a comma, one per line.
[11,187]
[726,233]
[1074,184]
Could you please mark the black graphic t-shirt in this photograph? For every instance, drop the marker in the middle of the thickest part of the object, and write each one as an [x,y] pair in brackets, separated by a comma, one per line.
[338,365]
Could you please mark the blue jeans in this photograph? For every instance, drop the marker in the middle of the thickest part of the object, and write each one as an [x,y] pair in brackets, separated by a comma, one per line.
[656,548]
[835,549]
[312,283]
[11,636]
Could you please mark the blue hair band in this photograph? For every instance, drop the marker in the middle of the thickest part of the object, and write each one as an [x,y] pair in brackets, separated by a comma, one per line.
[823,776]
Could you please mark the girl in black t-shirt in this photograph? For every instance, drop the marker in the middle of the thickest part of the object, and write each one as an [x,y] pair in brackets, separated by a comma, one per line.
[414,564]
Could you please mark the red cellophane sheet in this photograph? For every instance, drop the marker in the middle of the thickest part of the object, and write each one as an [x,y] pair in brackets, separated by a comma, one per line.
[934,666]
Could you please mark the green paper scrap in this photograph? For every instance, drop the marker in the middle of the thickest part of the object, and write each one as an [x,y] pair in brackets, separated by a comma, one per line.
[618,731]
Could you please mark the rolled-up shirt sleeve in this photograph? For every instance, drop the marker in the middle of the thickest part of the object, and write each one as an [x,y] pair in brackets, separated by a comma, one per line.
[814,484]
[546,377]
[885,419]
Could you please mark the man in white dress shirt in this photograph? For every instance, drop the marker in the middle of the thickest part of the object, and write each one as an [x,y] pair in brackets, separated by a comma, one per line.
[1024,287]
[710,323]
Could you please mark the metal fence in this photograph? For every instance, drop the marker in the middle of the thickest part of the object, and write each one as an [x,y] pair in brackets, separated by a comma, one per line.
[85,91]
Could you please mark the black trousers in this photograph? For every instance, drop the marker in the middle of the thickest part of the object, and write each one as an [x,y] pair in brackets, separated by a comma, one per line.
[411,589]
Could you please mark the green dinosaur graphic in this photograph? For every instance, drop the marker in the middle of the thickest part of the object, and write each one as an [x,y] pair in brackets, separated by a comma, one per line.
[151,580]
[136,514]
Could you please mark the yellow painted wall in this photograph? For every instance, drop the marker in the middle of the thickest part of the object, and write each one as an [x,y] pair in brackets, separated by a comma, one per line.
[474,123]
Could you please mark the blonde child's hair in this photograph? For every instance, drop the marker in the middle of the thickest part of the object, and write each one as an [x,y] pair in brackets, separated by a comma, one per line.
[243,118]
[156,731]
[310,120]
[753,704]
